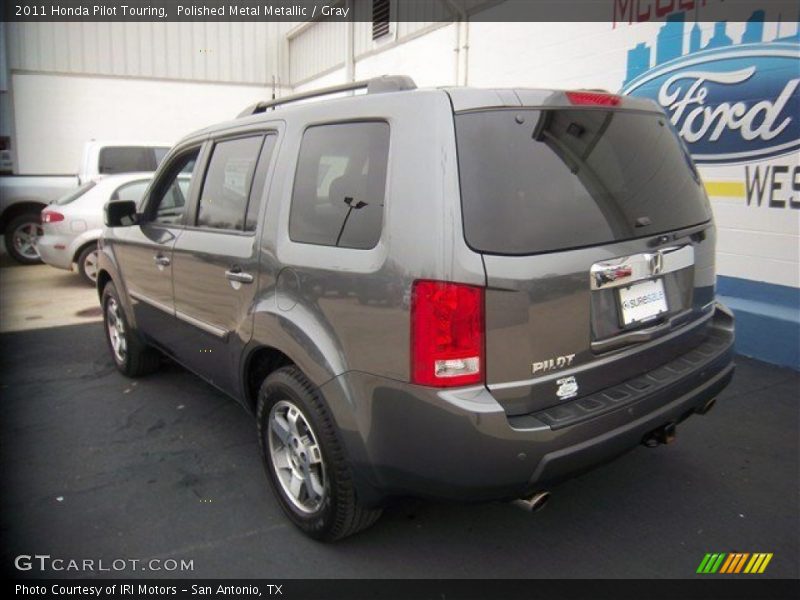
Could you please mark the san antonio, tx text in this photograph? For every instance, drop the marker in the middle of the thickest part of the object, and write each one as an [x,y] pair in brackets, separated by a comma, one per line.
[130,589]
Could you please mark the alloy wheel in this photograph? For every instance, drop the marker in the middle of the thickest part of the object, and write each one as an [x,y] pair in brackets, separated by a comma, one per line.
[116,330]
[90,266]
[296,457]
[25,238]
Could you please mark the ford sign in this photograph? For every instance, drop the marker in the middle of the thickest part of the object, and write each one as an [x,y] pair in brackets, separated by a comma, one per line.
[733,104]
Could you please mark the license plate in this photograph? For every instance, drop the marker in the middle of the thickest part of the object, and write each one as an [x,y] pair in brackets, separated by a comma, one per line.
[642,301]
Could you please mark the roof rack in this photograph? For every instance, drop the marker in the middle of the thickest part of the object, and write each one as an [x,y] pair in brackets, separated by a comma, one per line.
[376,85]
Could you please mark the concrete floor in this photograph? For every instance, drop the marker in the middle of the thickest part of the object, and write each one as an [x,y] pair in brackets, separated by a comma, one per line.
[95,465]
[39,296]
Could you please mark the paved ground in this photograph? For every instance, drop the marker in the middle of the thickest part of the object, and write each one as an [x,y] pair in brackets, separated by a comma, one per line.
[33,297]
[97,466]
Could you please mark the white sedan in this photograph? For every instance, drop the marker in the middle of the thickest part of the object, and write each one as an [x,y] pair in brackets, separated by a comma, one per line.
[73,224]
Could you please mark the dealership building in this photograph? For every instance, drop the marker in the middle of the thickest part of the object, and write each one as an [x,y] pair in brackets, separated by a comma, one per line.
[732,90]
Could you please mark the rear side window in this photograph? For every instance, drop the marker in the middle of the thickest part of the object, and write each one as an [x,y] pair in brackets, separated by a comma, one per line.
[259,181]
[129,159]
[340,184]
[71,197]
[543,180]
[223,201]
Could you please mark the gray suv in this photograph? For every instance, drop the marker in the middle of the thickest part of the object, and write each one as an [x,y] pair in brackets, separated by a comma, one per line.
[446,293]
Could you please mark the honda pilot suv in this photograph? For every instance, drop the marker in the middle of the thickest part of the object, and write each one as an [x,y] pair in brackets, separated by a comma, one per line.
[446,293]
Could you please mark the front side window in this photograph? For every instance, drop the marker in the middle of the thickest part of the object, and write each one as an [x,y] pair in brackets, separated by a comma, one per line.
[223,201]
[130,191]
[172,192]
[340,184]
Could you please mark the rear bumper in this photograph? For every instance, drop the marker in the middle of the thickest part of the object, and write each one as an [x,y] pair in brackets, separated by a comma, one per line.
[411,440]
[56,257]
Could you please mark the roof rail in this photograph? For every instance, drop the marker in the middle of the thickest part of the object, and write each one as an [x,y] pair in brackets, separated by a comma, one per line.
[376,85]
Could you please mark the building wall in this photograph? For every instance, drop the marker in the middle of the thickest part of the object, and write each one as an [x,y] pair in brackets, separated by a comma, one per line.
[66,83]
[209,52]
[56,114]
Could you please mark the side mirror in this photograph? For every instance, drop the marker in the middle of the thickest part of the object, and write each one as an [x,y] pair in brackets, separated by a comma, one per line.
[121,213]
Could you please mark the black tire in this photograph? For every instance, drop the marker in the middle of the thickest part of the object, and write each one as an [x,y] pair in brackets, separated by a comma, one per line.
[24,220]
[138,358]
[340,514]
[84,269]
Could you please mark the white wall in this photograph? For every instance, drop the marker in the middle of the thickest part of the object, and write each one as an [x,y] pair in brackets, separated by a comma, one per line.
[231,52]
[56,114]
[428,59]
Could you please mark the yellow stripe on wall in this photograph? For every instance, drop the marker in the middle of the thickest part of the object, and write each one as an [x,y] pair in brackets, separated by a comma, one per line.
[729,189]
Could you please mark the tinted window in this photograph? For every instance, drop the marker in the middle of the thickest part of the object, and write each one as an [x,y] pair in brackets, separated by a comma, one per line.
[129,159]
[172,191]
[259,179]
[339,185]
[71,197]
[130,191]
[223,201]
[570,178]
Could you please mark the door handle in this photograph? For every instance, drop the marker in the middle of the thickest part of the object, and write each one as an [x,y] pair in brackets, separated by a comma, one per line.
[161,260]
[236,274]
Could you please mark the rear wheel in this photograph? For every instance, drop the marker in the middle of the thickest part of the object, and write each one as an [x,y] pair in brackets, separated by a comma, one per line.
[22,235]
[87,264]
[131,355]
[305,461]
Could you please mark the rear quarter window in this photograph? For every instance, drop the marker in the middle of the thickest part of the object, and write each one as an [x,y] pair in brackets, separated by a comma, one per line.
[339,186]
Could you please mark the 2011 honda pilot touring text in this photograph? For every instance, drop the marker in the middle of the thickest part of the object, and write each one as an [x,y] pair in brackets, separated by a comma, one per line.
[446,293]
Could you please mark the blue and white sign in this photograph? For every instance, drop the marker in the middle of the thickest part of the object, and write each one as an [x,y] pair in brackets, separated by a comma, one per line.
[730,104]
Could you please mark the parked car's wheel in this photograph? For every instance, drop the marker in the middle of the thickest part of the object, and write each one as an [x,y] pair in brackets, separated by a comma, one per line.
[132,356]
[87,264]
[22,234]
[304,459]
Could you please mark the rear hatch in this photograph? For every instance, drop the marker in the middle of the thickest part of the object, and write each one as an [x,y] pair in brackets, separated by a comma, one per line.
[597,242]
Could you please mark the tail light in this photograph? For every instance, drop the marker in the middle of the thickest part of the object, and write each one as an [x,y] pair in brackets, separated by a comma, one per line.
[593,98]
[447,334]
[51,216]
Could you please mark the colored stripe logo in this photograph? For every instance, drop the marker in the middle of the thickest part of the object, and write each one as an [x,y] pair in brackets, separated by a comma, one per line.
[731,563]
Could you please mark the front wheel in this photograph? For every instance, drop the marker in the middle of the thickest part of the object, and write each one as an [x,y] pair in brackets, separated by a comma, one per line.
[305,461]
[22,236]
[131,355]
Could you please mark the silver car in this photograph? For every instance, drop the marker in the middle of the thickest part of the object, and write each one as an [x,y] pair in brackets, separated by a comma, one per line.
[73,224]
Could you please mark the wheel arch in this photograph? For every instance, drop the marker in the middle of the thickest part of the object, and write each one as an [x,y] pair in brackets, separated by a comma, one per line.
[76,255]
[17,209]
[259,363]
[297,337]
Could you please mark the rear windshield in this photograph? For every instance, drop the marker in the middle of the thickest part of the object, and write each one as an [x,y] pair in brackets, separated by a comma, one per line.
[543,180]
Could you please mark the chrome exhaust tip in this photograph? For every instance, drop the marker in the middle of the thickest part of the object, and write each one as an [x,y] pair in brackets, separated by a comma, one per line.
[706,407]
[534,502]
